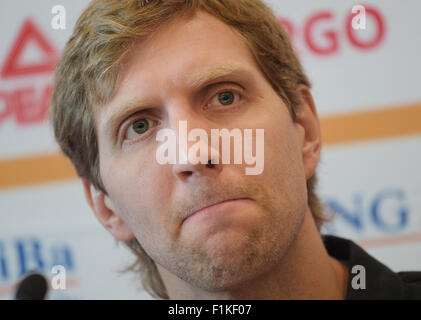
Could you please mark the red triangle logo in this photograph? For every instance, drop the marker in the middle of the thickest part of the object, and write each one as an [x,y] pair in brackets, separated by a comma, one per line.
[13,66]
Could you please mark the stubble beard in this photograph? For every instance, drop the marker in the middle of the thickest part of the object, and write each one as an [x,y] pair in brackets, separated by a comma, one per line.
[229,259]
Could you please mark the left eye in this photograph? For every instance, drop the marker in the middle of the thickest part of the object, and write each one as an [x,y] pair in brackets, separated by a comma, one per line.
[225,98]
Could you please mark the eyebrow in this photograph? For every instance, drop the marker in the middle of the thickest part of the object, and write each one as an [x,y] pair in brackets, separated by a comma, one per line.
[202,77]
[195,81]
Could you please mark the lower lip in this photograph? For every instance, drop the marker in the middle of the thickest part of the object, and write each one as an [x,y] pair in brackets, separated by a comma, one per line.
[219,209]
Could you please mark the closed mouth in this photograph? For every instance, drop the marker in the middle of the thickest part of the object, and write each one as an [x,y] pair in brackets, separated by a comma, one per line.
[213,204]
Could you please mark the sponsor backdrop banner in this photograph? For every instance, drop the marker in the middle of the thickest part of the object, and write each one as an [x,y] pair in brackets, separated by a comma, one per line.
[366,85]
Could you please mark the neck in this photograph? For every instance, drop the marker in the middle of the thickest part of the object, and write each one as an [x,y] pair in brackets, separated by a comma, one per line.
[305,272]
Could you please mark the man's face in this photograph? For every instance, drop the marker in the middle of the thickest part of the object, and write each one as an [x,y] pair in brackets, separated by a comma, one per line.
[235,241]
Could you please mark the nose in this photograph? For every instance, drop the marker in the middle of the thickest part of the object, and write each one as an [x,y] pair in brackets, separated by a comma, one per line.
[187,171]
[196,155]
[187,168]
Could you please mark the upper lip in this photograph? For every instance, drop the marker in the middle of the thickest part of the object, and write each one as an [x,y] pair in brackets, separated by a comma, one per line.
[212,203]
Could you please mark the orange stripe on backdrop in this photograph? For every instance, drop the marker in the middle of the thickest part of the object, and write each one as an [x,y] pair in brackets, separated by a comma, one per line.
[391,240]
[35,169]
[367,125]
[373,124]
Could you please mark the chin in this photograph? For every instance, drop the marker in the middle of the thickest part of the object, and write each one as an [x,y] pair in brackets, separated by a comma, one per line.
[228,269]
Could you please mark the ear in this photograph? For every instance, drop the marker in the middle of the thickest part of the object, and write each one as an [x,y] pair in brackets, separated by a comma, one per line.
[310,132]
[101,205]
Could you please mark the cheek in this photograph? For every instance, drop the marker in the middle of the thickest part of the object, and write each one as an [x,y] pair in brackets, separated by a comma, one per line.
[138,189]
[283,159]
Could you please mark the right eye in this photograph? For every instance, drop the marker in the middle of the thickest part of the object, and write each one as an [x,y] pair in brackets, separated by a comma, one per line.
[139,129]
[140,126]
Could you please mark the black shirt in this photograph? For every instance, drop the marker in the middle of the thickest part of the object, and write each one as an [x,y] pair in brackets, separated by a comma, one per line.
[380,281]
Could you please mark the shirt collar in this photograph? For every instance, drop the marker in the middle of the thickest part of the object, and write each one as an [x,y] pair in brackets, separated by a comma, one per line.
[381,282]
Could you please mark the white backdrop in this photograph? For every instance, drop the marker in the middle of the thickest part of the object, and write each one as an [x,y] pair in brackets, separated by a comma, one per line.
[366,85]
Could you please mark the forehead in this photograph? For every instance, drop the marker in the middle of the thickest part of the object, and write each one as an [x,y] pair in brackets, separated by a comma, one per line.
[181,55]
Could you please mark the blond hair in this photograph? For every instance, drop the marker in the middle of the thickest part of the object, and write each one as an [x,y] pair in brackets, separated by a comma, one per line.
[88,75]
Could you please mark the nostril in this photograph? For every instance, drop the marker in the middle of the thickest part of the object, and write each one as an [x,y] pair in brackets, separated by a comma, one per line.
[209,164]
[186,174]
[186,171]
